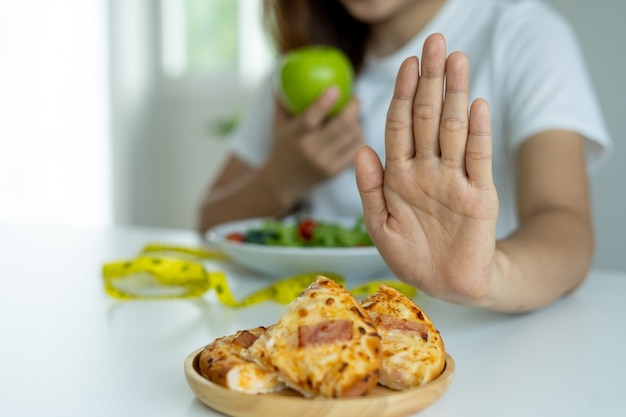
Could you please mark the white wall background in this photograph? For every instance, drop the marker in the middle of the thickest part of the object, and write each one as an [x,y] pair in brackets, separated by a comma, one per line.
[602,34]
[54,112]
[163,154]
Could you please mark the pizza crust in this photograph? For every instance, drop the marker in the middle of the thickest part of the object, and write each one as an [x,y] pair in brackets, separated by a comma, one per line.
[222,363]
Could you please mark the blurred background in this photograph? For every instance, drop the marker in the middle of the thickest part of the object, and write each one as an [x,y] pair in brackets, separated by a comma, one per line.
[119,111]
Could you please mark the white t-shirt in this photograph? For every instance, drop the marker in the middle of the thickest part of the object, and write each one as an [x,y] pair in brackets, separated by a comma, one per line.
[524,60]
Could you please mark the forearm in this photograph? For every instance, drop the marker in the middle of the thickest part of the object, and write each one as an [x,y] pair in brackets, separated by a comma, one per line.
[547,257]
[253,194]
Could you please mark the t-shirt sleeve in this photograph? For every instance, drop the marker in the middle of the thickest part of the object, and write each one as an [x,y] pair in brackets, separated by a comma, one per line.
[547,82]
[252,140]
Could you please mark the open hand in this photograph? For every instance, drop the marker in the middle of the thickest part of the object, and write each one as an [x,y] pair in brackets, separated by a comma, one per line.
[432,209]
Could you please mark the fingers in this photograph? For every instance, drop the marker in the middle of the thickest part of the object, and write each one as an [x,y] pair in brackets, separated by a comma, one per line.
[454,117]
[429,98]
[478,154]
[439,125]
[369,180]
[399,144]
[315,115]
[341,136]
[344,124]
[313,119]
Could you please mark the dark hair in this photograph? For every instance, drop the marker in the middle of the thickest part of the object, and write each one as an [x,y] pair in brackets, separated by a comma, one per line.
[297,23]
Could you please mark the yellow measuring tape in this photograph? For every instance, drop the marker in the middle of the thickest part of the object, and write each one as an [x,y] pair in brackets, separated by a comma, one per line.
[166,271]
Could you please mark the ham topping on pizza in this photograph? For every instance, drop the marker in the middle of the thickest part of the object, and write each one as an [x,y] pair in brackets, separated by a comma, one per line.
[325,332]
[245,339]
[389,322]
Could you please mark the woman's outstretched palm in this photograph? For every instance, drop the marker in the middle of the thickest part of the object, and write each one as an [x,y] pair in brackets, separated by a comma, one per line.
[432,210]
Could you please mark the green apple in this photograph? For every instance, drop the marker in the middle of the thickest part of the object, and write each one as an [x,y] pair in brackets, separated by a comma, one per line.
[303,74]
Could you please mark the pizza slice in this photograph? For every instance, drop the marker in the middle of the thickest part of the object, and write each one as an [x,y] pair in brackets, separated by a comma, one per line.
[412,349]
[222,363]
[324,344]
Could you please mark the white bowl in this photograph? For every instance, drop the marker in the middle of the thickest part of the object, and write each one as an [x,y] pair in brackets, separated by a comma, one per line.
[282,262]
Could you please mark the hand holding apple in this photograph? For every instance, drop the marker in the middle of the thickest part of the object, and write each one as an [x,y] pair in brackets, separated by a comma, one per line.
[303,74]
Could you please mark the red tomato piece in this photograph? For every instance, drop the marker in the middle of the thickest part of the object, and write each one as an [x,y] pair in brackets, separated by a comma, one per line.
[305,228]
[236,237]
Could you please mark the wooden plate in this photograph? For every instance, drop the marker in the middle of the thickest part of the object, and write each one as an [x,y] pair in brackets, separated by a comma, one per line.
[381,402]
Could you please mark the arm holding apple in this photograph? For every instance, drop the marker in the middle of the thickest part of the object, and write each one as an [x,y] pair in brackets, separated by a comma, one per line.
[316,132]
[432,210]
[306,149]
[310,148]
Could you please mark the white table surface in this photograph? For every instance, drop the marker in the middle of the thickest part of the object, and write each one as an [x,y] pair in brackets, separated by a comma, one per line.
[67,349]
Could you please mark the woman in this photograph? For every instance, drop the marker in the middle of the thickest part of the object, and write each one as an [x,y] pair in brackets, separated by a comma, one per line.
[434,215]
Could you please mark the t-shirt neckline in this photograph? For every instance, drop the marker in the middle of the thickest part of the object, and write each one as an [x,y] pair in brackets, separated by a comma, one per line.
[383,65]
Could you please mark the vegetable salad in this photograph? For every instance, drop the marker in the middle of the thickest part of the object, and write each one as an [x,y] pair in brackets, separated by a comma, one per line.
[305,232]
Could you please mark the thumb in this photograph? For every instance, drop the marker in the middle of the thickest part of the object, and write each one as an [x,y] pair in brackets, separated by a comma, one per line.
[317,112]
[369,180]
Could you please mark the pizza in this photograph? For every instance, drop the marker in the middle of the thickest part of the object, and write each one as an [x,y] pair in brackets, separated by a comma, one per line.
[325,344]
[222,363]
[412,349]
